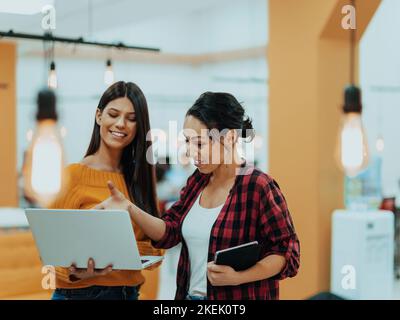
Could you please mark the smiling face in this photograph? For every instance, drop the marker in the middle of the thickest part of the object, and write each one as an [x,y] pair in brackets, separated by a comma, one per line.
[117,123]
[207,153]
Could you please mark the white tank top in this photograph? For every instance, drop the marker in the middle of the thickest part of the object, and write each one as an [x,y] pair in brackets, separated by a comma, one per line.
[196,230]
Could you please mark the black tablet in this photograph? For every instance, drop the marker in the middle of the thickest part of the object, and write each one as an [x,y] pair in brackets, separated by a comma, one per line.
[240,257]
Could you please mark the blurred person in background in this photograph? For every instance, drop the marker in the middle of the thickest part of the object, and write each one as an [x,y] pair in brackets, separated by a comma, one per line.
[164,190]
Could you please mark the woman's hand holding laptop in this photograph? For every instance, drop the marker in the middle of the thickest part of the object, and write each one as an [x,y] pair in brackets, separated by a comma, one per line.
[115,201]
[91,272]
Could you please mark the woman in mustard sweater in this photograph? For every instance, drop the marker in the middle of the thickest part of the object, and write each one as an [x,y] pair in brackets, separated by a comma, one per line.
[116,152]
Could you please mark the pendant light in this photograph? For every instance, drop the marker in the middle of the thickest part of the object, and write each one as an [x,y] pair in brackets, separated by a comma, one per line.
[109,73]
[352,145]
[43,176]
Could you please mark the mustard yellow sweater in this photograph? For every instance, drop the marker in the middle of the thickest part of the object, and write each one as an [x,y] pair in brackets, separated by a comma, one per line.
[85,188]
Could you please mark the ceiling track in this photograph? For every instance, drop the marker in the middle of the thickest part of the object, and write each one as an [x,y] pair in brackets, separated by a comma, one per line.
[48,37]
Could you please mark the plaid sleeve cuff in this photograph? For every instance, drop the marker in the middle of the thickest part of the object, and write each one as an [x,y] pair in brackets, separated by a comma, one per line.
[164,242]
[290,251]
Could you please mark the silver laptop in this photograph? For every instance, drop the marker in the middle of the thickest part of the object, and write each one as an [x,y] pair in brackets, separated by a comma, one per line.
[64,237]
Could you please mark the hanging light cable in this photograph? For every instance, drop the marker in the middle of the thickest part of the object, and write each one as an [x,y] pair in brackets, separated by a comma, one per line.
[352,146]
[380,142]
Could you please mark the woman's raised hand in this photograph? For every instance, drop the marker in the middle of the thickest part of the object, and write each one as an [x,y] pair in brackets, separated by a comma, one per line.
[152,226]
[116,200]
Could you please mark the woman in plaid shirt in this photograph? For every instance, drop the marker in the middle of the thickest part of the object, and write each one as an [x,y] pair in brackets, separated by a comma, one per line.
[225,203]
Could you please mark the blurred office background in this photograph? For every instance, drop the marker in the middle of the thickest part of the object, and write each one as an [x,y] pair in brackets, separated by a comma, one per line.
[208,46]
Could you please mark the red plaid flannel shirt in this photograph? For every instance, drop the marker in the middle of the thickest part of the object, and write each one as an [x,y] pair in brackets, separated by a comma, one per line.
[256,210]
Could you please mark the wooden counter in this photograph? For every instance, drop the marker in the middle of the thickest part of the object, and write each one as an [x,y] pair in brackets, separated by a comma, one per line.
[20,267]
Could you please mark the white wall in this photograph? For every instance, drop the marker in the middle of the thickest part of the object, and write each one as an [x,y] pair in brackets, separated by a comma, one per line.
[380,83]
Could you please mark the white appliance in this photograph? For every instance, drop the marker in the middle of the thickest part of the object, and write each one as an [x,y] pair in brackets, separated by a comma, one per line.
[362,254]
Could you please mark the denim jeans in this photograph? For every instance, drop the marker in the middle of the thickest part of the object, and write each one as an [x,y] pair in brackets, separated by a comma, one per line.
[97,293]
[189,297]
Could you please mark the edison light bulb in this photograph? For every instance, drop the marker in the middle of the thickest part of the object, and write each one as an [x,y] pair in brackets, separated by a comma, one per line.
[46,160]
[109,74]
[52,79]
[43,174]
[352,147]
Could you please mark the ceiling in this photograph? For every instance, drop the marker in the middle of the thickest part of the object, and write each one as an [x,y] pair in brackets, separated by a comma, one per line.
[86,17]
[167,25]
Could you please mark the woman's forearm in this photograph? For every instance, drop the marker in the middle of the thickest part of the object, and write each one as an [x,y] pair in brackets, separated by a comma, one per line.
[152,226]
[263,269]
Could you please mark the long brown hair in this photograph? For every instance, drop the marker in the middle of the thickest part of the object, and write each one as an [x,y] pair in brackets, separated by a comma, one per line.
[138,173]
